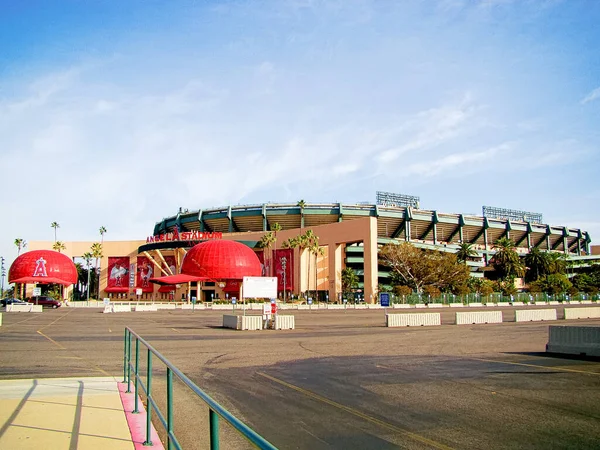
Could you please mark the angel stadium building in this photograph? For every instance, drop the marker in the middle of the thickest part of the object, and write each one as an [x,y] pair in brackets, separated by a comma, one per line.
[349,235]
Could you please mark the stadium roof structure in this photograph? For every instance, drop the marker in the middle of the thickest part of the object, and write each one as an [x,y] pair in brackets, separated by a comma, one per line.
[393,222]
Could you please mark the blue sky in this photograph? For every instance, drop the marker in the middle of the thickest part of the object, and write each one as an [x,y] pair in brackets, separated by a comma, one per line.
[118,113]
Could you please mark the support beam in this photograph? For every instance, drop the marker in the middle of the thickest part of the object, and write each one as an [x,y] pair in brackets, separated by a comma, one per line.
[264,216]
[341,212]
[399,229]
[458,230]
[200,221]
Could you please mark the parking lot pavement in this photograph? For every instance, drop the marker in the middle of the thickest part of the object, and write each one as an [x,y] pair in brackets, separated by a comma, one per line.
[340,380]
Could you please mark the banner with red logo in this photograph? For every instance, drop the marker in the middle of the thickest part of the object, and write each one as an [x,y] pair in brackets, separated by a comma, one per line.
[145,271]
[284,268]
[118,273]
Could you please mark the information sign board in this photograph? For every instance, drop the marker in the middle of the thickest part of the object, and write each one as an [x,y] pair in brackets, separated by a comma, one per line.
[37,291]
[384,299]
[259,287]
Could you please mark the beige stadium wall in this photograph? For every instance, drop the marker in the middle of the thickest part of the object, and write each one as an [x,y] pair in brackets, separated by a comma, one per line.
[332,237]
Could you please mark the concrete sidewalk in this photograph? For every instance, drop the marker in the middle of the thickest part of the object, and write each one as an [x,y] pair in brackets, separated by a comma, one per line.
[66,413]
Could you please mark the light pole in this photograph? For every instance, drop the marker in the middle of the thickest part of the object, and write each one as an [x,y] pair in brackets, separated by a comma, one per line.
[3,274]
[283,266]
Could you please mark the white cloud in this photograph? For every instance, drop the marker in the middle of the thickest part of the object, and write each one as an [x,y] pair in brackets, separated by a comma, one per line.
[593,95]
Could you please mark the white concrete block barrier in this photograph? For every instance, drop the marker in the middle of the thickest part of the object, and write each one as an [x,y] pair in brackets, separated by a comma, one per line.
[574,340]
[469,318]
[242,322]
[117,308]
[285,322]
[582,313]
[535,315]
[24,308]
[413,320]
[145,308]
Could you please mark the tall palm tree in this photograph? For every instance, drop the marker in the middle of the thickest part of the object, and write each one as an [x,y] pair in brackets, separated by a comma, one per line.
[506,260]
[99,264]
[97,253]
[87,256]
[301,204]
[54,225]
[266,242]
[538,263]
[58,246]
[20,243]
[316,250]
[557,263]
[307,241]
[465,251]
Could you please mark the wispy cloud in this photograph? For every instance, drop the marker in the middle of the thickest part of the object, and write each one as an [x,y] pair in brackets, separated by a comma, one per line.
[593,95]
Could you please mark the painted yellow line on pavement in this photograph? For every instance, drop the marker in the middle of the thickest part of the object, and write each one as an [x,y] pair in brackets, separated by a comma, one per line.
[558,368]
[389,426]
[176,331]
[16,323]
[51,340]
[54,321]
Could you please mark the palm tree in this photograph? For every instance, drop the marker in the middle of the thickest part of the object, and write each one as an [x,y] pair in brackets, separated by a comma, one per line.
[506,260]
[465,251]
[20,243]
[266,241]
[54,225]
[58,246]
[301,204]
[87,256]
[538,263]
[98,264]
[308,241]
[557,263]
[97,253]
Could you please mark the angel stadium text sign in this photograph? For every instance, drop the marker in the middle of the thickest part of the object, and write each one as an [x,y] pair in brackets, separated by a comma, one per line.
[184,236]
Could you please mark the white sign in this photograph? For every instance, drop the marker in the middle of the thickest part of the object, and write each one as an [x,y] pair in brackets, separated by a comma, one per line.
[267,309]
[139,291]
[259,287]
[106,301]
[37,291]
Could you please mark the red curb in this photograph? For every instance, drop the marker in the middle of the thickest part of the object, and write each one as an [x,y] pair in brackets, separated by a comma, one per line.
[137,422]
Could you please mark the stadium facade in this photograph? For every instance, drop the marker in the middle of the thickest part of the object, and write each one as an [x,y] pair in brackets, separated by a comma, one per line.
[349,236]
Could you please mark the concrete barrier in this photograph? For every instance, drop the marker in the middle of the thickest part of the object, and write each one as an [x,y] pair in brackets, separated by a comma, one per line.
[535,315]
[165,306]
[476,305]
[24,308]
[420,305]
[413,320]
[335,307]
[0,319]
[243,322]
[285,322]
[582,313]
[145,308]
[117,308]
[401,306]
[435,305]
[574,340]
[469,318]
[457,305]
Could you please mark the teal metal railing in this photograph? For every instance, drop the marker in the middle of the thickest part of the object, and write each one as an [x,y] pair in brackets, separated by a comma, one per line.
[216,411]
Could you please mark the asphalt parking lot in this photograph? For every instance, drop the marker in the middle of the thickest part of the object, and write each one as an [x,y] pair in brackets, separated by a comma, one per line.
[340,380]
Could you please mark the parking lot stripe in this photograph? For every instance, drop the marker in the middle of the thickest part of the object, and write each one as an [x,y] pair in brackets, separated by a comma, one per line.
[54,321]
[557,368]
[51,340]
[348,409]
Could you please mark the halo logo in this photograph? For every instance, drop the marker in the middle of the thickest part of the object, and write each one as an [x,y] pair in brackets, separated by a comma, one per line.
[40,268]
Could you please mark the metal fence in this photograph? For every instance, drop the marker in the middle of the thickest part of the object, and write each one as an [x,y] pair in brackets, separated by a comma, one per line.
[131,366]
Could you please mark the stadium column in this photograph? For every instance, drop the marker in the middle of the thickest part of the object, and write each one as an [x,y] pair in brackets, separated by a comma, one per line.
[335,257]
[370,258]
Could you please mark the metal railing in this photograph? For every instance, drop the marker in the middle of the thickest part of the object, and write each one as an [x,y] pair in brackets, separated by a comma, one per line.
[215,409]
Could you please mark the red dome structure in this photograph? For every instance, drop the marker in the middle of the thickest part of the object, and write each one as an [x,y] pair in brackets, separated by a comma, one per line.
[43,266]
[221,260]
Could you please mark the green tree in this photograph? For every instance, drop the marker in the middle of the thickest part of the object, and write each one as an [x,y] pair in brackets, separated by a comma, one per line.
[557,263]
[58,246]
[266,242]
[537,263]
[417,268]
[102,231]
[54,225]
[506,261]
[97,253]
[21,244]
[301,204]
[349,282]
[87,256]
[465,251]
